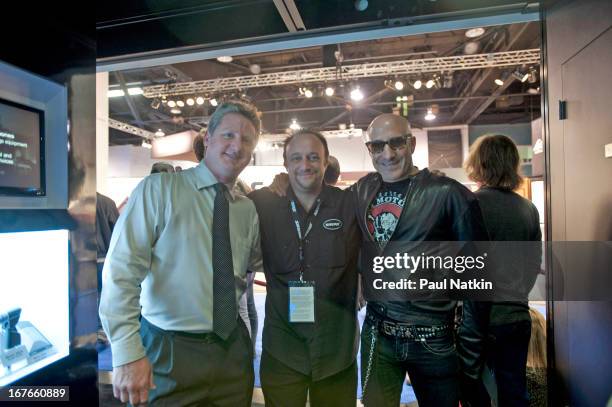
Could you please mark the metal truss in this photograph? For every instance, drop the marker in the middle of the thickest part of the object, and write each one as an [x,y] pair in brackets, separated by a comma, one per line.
[128,128]
[348,72]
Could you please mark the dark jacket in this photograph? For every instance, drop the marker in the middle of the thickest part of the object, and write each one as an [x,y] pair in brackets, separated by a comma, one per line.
[511,219]
[437,208]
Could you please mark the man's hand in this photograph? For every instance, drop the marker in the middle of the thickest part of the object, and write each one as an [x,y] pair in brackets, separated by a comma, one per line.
[280,184]
[132,381]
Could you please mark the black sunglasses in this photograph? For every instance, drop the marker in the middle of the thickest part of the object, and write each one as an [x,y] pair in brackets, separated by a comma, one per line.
[395,143]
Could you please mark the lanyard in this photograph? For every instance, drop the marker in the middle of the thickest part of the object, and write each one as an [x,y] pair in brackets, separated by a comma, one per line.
[298,228]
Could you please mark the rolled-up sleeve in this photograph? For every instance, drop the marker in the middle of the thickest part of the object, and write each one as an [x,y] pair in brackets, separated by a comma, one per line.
[127,263]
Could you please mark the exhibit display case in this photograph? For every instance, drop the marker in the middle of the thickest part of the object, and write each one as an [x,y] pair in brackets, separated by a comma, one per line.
[34,301]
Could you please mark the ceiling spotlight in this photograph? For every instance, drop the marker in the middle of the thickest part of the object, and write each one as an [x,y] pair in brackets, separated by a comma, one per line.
[329,91]
[356,95]
[520,75]
[159,133]
[135,91]
[533,91]
[175,110]
[474,32]
[171,103]
[155,103]
[533,76]
[399,85]
[146,144]
[180,103]
[294,125]
[499,82]
[448,80]
[200,100]
[471,47]
[255,69]
[417,84]
[213,102]
[361,5]
[308,93]
[429,84]
[225,58]
[114,93]
[430,115]
[190,102]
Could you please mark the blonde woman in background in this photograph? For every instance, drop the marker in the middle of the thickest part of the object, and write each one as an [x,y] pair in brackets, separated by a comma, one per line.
[536,360]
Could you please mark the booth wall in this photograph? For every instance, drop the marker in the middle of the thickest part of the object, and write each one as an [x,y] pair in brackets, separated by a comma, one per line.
[578,41]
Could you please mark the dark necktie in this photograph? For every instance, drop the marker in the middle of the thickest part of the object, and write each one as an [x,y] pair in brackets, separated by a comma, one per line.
[224,292]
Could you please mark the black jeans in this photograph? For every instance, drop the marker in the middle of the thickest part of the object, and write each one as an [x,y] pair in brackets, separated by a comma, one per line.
[506,355]
[432,364]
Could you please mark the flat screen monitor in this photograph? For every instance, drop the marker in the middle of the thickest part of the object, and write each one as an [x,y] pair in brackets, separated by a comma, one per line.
[22,166]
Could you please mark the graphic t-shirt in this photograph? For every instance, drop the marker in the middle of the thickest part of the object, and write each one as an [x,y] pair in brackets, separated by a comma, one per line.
[386,208]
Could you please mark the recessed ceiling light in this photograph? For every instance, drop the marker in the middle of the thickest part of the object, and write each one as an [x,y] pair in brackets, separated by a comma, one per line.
[474,32]
[225,58]
[159,133]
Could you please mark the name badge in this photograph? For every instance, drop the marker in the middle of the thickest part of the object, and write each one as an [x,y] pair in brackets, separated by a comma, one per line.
[301,301]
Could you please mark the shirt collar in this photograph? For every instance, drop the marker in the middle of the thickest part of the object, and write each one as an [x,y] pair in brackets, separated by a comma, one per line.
[205,179]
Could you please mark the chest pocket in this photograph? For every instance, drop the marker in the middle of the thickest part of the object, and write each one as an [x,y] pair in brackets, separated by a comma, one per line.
[328,244]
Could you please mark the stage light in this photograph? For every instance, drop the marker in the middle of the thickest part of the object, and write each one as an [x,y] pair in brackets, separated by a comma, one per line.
[294,125]
[200,100]
[190,101]
[474,32]
[213,102]
[430,115]
[417,84]
[429,84]
[329,91]
[171,103]
[225,58]
[356,95]
[159,133]
[180,103]
[399,85]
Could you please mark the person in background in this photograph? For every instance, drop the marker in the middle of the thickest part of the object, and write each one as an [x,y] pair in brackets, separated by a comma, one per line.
[175,270]
[107,215]
[498,333]
[162,167]
[310,243]
[248,310]
[536,361]
[332,173]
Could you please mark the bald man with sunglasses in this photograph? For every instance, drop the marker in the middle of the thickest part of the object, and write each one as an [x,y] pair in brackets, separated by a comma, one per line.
[401,207]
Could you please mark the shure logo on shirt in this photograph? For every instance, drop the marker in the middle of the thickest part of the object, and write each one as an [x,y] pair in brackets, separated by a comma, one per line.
[332,224]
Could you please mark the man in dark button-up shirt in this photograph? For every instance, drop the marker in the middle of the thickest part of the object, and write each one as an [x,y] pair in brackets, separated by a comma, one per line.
[305,353]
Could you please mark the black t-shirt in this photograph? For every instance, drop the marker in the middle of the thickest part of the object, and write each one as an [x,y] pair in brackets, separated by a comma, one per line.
[386,208]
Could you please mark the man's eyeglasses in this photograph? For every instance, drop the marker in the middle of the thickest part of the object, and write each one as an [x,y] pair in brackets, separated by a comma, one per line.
[395,143]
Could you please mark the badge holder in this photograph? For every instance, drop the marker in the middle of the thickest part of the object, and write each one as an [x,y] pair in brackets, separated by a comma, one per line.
[301,301]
